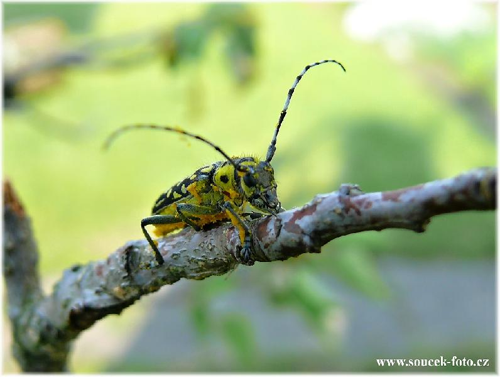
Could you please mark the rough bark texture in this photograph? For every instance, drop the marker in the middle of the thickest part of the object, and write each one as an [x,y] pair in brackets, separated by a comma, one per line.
[32,333]
[45,326]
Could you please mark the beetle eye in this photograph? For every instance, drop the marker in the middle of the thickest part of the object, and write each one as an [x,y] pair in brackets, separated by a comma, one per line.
[249,180]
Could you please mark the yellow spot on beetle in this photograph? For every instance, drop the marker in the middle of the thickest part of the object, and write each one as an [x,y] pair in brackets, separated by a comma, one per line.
[208,169]
[192,190]
[163,229]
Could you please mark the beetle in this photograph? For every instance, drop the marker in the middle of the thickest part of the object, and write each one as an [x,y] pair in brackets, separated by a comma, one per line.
[221,191]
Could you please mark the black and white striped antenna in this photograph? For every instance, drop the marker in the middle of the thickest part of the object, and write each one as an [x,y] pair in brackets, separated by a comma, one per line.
[272,146]
[121,130]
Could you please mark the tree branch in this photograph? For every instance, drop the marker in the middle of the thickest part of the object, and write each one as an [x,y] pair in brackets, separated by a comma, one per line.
[45,326]
[24,293]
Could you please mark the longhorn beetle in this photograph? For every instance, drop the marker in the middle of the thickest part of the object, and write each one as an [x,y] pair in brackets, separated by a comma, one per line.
[221,191]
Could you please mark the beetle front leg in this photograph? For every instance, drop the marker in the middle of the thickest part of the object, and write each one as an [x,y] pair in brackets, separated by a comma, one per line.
[245,234]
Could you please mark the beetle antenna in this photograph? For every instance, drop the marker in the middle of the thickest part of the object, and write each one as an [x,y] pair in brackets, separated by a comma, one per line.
[272,146]
[178,130]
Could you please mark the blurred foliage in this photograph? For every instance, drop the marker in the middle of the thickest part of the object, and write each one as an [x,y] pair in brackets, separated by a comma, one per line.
[469,59]
[376,135]
[36,57]
[239,334]
[200,300]
[461,72]
[235,22]
[301,288]
[380,125]
[357,268]
[78,16]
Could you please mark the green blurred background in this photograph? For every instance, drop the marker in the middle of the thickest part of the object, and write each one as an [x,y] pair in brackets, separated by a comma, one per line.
[417,103]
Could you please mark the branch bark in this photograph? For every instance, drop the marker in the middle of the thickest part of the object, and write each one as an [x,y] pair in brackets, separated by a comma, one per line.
[45,326]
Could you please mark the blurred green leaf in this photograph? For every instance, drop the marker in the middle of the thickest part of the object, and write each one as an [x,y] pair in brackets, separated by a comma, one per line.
[240,49]
[357,268]
[188,41]
[226,15]
[237,25]
[200,300]
[301,289]
[240,338]
[366,142]
[77,16]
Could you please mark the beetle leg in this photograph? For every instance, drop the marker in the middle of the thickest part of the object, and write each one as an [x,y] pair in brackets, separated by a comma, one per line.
[245,234]
[189,212]
[156,220]
[186,219]
[253,215]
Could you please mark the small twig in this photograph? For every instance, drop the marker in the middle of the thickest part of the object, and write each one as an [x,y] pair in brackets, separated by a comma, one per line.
[46,326]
